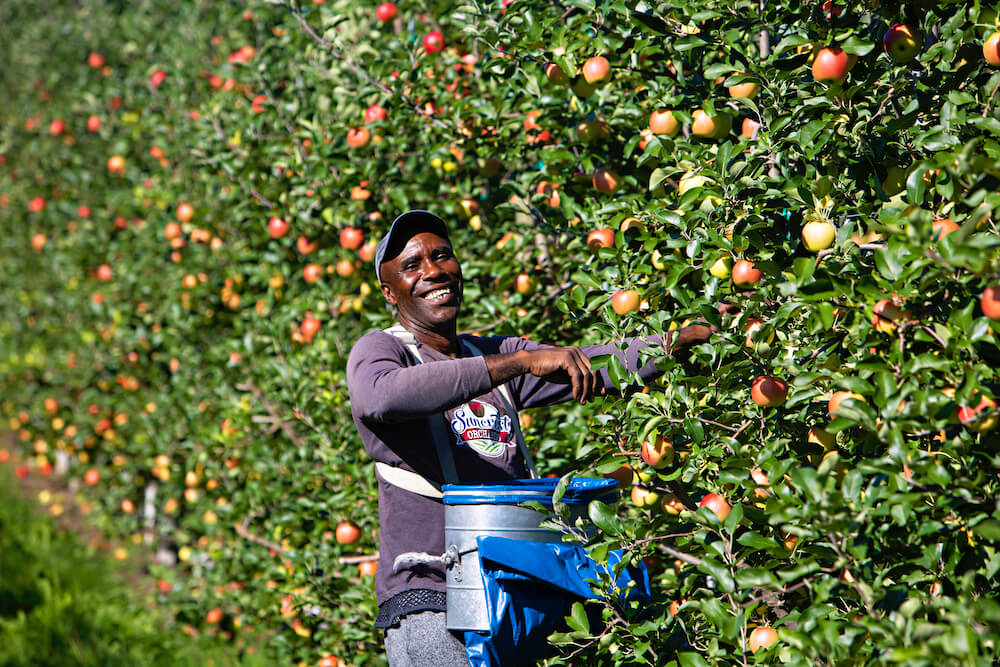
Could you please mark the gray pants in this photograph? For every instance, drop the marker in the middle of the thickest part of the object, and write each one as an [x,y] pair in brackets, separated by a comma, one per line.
[422,640]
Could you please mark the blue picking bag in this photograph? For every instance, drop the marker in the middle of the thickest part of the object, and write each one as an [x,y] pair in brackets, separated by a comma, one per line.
[514,581]
[530,587]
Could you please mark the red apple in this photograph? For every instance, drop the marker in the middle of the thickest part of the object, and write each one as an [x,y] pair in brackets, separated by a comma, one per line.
[762,637]
[92,477]
[94,123]
[374,112]
[769,392]
[744,274]
[941,228]
[36,205]
[524,284]
[555,74]
[385,12]
[597,70]
[95,60]
[185,211]
[347,532]
[625,301]
[367,251]
[717,504]
[157,77]
[606,181]
[902,42]
[309,327]
[277,228]
[991,49]
[839,397]
[749,128]
[601,238]
[990,302]
[662,121]
[116,164]
[434,41]
[351,238]
[981,418]
[832,64]
[358,137]
[104,272]
[312,273]
[658,452]
[56,127]
[304,246]
[38,242]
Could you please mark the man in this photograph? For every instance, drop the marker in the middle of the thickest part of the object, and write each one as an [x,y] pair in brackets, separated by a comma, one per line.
[400,381]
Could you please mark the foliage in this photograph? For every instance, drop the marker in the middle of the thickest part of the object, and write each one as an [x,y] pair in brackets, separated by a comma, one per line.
[867,536]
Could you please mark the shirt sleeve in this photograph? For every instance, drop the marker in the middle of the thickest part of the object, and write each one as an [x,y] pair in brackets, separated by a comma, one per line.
[531,391]
[385,386]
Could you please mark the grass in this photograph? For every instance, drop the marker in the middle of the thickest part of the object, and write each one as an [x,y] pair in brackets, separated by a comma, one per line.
[62,603]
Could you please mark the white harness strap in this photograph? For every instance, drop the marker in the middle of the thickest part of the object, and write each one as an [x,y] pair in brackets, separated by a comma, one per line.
[418,484]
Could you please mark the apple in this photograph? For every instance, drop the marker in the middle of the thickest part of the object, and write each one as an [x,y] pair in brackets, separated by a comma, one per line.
[894,181]
[832,64]
[367,251]
[747,90]
[213,616]
[582,89]
[347,532]
[104,272]
[822,437]
[749,128]
[116,164]
[991,49]
[434,41]
[367,568]
[309,327]
[312,273]
[990,302]
[374,112]
[902,42]
[625,301]
[303,245]
[94,123]
[127,506]
[885,314]
[351,238]
[941,228]
[56,127]
[385,12]
[662,121]
[524,284]
[671,504]
[95,60]
[744,274]
[591,130]
[839,397]
[605,238]
[345,268]
[185,212]
[719,506]
[358,137]
[555,74]
[643,497]
[818,235]
[762,637]
[597,70]
[157,77]
[38,242]
[92,477]
[711,127]
[623,475]
[769,392]
[277,227]
[606,181]
[658,452]
[759,477]
[721,268]
[974,421]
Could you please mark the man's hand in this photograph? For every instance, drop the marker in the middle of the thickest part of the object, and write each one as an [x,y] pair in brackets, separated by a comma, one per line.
[687,337]
[564,365]
[561,365]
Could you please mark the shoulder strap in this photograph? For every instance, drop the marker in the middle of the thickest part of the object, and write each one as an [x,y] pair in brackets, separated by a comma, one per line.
[439,429]
[509,405]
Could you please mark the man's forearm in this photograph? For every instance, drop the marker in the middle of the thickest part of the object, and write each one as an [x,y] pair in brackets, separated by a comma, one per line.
[505,367]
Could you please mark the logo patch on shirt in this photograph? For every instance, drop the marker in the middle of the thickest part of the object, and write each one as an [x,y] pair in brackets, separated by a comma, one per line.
[481,426]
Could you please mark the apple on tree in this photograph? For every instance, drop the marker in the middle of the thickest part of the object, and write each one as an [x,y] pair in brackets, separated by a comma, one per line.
[832,64]
[597,71]
[658,452]
[385,12]
[434,41]
[745,275]
[277,227]
[769,392]
[717,504]
[902,42]
[625,301]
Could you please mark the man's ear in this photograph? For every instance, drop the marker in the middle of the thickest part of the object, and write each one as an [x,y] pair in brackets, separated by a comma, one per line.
[387,293]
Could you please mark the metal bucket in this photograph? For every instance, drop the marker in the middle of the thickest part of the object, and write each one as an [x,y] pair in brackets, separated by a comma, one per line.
[471,510]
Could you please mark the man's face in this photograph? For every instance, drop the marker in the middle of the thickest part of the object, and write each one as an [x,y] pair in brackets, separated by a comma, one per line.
[424,281]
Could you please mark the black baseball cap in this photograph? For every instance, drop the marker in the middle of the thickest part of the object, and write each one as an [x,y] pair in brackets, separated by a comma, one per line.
[403,226]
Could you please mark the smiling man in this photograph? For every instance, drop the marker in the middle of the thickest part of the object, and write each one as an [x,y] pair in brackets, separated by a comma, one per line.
[434,407]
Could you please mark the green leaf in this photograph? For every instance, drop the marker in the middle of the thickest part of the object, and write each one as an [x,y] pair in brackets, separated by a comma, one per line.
[577,620]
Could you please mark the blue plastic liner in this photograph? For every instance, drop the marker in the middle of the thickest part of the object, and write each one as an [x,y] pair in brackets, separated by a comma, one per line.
[511,492]
[529,589]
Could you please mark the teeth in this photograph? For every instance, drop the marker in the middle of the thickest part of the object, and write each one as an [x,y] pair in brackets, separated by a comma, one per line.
[439,293]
